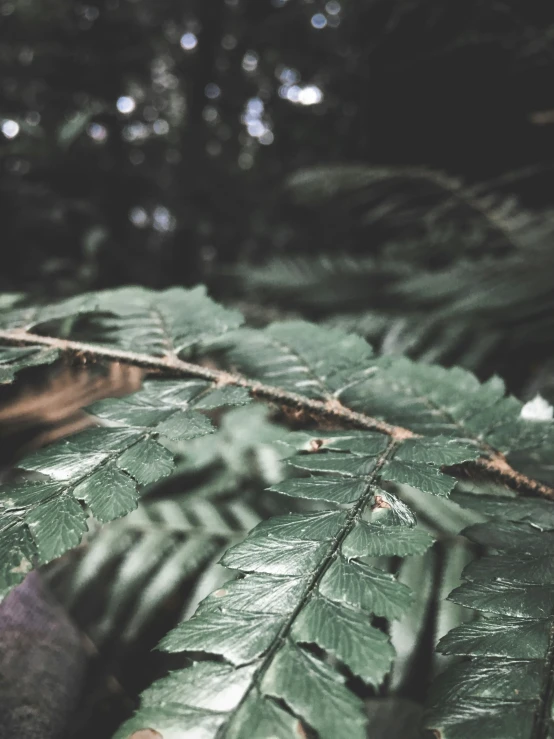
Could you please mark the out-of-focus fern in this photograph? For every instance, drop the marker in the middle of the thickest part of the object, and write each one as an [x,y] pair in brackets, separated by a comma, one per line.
[300,635]
[427,287]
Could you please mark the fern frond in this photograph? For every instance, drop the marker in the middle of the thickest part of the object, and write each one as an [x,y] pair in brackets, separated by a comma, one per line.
[306,584]
[410,194]
[304,610]
[100,467]
[426,289]
[505,689]
[320,589]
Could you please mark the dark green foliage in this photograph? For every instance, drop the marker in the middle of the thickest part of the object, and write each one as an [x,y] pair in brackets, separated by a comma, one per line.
[504,688]
[283,641]
[456,274]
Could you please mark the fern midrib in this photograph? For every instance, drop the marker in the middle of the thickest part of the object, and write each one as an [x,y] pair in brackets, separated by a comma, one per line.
[349,523]
[332,409]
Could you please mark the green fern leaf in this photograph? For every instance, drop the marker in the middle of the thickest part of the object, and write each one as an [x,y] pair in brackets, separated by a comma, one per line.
[103,467]
[301,357]
[313,579]
[307,583]
[162,323]
[504,688]
[30,317]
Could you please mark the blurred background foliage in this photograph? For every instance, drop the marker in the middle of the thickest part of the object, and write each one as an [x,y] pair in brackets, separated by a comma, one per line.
[151,141]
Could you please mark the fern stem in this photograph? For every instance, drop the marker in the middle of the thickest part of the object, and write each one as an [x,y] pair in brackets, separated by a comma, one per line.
[494,461]
[500,467]
[332,408]
[349,523]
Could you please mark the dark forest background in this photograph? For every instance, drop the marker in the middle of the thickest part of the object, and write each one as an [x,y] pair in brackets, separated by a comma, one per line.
[220,101]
